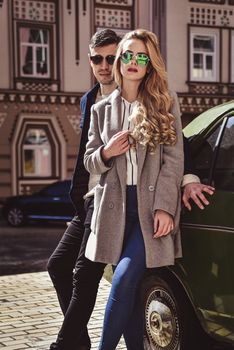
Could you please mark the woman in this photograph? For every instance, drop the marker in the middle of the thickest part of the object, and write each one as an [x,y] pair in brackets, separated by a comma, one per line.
[135,143]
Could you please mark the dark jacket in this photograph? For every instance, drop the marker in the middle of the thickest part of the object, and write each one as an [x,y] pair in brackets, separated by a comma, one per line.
[188,164]
[80,178]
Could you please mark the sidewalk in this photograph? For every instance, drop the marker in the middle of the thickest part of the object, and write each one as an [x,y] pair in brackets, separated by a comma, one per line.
[30,316]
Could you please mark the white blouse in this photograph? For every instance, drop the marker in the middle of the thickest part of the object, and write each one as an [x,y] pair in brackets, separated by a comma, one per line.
[131,154]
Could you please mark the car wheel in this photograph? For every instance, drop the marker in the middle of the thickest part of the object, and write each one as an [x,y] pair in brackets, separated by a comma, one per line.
[165,317]
[15,217]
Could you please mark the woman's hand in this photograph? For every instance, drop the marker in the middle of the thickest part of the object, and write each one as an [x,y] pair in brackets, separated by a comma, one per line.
[163,223]
[117,145]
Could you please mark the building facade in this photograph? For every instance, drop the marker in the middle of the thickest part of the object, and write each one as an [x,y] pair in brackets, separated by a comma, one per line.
[44,70]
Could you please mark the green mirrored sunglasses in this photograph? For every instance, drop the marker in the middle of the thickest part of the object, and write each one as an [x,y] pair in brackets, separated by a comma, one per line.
[142,59]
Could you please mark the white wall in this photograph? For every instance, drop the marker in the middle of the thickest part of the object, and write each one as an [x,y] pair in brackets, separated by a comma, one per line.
[177,19]
[75,77]
[143,15]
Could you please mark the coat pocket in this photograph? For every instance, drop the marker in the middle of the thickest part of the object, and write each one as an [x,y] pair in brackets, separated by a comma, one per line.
[97,202]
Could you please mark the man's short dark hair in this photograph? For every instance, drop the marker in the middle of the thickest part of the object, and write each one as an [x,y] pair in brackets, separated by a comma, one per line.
[104,37]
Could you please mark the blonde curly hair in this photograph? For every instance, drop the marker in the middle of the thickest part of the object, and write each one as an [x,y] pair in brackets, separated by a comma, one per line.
[153,122]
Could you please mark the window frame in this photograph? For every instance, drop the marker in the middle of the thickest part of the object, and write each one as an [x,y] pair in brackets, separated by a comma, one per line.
[32,147]
[215,55]
[231,65]
[217,148]
[36,150]
[50,53]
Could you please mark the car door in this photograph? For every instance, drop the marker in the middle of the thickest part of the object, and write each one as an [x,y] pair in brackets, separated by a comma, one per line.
[52,203]
[208,235]
[57,204]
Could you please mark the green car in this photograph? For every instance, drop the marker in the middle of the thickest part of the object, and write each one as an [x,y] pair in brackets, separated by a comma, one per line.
[196,296]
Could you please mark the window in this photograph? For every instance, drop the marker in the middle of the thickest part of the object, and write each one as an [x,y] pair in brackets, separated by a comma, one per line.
[203,160]
[34,52]
[36,154]
[203,57]
[60,188]
[224,167]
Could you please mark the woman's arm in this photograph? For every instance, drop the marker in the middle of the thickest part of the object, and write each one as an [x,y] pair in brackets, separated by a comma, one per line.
[93,160]
[98,157]
[172,168]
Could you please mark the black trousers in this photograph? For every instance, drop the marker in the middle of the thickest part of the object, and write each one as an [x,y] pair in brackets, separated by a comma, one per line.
[76,290]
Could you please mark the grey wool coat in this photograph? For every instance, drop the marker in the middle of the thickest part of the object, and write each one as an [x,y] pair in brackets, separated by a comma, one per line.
[158,187]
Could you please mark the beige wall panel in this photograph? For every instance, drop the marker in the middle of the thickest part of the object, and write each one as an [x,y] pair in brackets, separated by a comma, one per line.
[5,190]
[143,14]
[5,149]
[76,77]
[177,18]
[225,56]
[5,177]
[5,163]
[4,41]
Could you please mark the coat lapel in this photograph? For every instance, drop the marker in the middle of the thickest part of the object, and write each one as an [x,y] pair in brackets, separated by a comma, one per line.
[116,126]
[141,154]
[115,112]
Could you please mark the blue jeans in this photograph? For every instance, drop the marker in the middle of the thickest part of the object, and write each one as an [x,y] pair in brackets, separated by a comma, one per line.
[120,310]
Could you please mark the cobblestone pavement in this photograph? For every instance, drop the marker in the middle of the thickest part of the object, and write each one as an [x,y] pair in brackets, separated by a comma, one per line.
[30,316]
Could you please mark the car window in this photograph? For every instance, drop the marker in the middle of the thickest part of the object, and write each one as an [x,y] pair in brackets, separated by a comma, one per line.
[223,176]
[60,188]
[203,159]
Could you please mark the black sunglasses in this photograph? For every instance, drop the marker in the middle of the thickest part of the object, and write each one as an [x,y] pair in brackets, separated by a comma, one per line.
[98,59]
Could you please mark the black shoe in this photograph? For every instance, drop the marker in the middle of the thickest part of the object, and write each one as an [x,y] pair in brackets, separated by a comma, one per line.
[55,346]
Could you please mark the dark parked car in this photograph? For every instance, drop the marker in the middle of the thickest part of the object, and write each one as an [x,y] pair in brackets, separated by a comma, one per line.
[197,294]
[52,203]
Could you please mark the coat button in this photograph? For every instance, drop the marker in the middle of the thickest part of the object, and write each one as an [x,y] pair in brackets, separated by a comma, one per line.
[111,205]
[151,188]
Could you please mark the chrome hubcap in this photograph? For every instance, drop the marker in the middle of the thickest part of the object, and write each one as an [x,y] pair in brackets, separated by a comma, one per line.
[15,216]
[161,321]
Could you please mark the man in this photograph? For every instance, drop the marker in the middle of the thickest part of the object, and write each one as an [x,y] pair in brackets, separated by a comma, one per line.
[77,292]
[102,47]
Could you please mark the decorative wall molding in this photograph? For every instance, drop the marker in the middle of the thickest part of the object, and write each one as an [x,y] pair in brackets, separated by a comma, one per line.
[215,2]
[77,31]
[42,86]
[211,16]
[115,2]
[113,18]
[43,11]
[207,88]
[2,118]
[84,7]
[191,104]
[117,14]
[42,98]
[69,7]
[74,119]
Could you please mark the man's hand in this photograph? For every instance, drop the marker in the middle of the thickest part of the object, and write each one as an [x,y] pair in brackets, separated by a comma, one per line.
[195,191]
